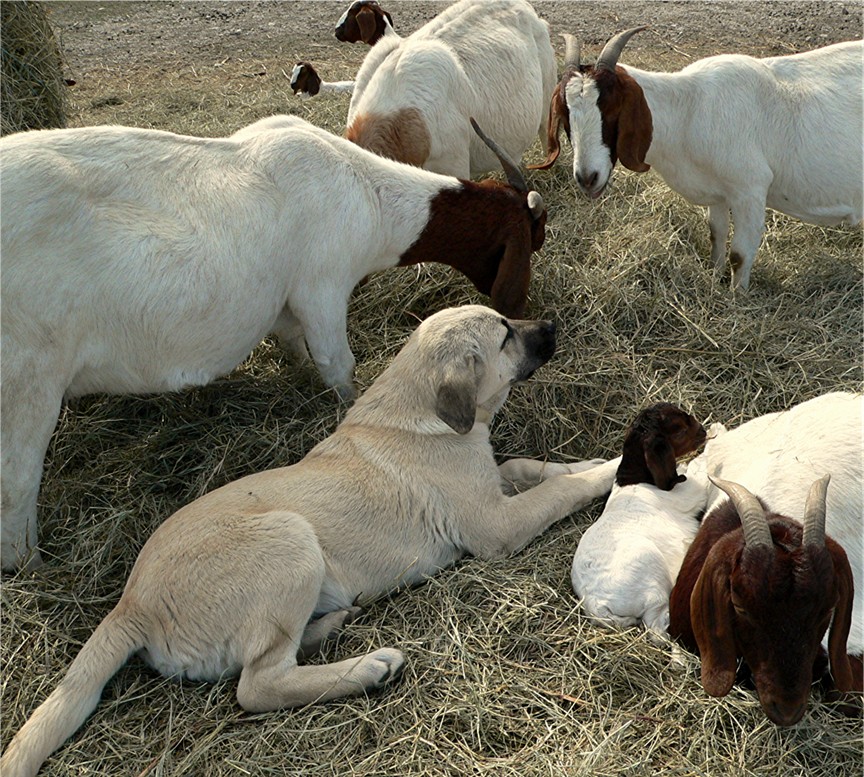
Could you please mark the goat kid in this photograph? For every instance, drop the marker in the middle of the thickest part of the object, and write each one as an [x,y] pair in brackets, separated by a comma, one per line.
[756,585]
[627,561]
[491,59]
[138,261]
[732,132]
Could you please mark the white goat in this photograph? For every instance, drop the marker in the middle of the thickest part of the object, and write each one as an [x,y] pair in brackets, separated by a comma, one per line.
[490,59]
[139,261]
[626,562]
[731,132]
[778,456]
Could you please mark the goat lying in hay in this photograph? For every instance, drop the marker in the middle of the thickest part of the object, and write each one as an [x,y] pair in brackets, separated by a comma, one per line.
[243,579]
[757,585]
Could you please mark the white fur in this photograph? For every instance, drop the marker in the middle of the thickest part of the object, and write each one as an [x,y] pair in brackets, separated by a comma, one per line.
[627,561]
[778,456]
[487,59]
[140,261]
[738,134]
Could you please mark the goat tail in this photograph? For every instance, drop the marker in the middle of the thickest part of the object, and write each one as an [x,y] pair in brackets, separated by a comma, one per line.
[63,712]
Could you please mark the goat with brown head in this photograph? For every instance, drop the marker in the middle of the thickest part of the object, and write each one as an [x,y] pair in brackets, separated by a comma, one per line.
[604,114]
[364,20]
[757,585]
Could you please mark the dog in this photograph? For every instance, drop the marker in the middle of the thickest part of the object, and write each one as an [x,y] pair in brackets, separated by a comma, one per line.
[263,569]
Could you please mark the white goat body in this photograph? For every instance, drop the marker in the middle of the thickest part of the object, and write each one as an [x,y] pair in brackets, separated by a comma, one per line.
[487,59]
[778,456]
[140,261]
[626,562]
[736,134]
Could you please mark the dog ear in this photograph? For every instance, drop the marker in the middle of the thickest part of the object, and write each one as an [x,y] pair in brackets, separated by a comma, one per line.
[456,401]
[660,460]
[711,620]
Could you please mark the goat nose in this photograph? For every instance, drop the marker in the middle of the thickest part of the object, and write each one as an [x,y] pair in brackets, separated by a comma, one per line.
[587,182]
[785,714]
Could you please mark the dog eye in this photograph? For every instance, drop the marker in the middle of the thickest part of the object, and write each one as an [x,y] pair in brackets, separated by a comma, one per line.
[510,334]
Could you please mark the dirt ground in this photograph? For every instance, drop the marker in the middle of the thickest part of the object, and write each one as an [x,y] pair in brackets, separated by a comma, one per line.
[151,36]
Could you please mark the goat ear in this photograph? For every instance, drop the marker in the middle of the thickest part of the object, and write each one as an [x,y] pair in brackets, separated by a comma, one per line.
[367,23]
[456,400]
[711,619]
[841,670]
[660,460]
[557,117]
[509,292]
[634,126]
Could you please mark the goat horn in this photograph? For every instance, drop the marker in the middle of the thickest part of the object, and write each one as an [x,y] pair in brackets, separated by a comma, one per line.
[612,50]
[511,169]
[753,522]
[814,512]
[572,51]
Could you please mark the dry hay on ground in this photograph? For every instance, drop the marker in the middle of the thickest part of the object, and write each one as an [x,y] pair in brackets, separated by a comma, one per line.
[32,90]
[504,676]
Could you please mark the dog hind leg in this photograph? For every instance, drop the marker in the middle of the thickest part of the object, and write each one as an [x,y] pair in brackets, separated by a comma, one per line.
[326,627]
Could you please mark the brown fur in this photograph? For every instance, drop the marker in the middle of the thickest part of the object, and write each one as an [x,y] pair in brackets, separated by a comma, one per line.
[486,231]
[770,606]
[363,21]
[308,80]
[402,135]
[558,116]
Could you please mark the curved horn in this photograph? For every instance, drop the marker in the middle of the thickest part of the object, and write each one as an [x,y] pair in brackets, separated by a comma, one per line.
[753,522]
[572,51]
[612,50]
[814,512]
[511,170]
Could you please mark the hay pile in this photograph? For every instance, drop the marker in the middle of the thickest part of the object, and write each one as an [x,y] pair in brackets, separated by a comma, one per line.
[504,676]
[32,90]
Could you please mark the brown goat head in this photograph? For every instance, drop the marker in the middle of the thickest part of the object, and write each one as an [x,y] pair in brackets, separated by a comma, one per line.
[364,20]
[766,592]
[305,79]
[625,119]
[657,437]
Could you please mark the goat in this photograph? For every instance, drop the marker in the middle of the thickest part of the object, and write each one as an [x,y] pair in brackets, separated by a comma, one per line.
[626,562]
[756,585]
[777,455]
[364,20]
[731,132]
[491,59]
[139,261]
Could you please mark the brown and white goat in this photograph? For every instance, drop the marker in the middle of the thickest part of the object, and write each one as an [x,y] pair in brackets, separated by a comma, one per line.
[627,561]
[138,261]
[364,20]
[731,132]
[757,585]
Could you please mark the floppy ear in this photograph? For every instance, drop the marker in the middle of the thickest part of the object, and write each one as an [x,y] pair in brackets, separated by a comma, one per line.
[557,117]
[367,23]
[841,670]
[660,460]
[711,619]
[634,125]
[509,292]
[456,401]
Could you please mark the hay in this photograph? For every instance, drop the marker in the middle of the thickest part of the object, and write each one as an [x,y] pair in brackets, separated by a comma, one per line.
[504,676]
[32,90]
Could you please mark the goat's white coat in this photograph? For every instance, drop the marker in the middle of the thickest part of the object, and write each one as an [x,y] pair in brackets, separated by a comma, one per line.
[628,560]
[139,261]
[738,134]
[487,59]
[778,456]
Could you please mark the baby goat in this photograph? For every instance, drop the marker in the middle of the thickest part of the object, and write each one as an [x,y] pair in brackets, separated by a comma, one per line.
[756,585]
[490,59]
[627,561]
[138,261]
[731,132]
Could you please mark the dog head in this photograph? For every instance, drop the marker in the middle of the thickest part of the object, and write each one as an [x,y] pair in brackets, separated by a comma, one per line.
[475,356]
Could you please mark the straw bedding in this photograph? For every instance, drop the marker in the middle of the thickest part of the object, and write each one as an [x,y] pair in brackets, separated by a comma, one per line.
[504,676]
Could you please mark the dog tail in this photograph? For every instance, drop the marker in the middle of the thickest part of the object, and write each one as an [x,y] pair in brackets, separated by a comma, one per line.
[60,715]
